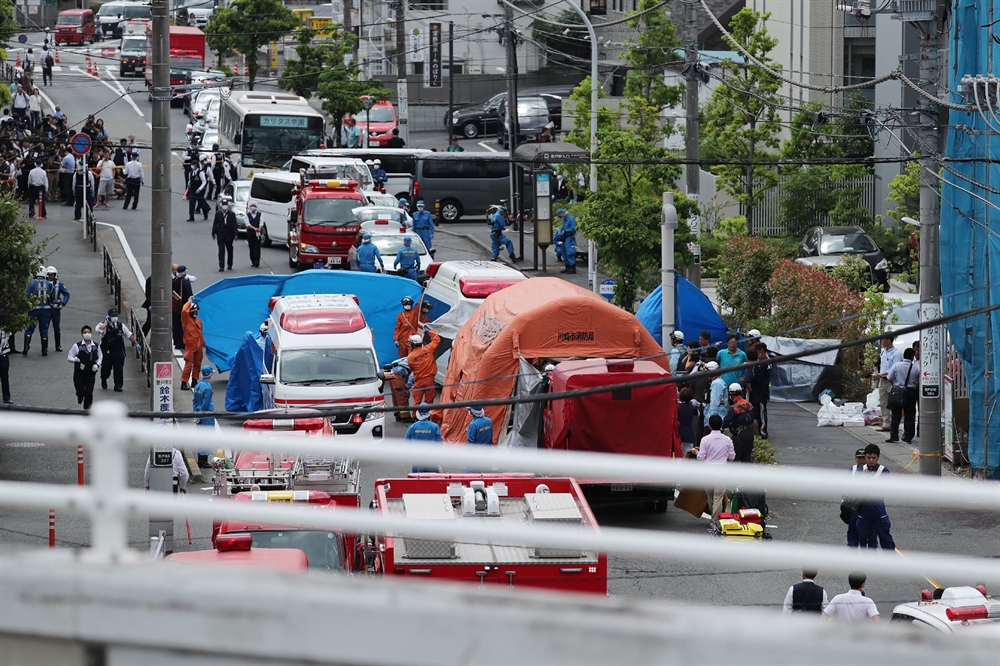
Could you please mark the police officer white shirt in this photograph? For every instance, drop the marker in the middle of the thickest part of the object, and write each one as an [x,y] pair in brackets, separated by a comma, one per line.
[852,606]
[178,468]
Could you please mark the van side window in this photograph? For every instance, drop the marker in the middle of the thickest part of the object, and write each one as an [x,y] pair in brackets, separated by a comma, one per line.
[496,169]
[399,165]
[271,190]
[445,169]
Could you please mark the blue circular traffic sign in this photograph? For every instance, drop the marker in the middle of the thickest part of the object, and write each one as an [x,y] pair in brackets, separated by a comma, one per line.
[80,143]
[22,38]
[608,289]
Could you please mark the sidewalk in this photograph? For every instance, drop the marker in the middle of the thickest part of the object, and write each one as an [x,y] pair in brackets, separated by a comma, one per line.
[901,454]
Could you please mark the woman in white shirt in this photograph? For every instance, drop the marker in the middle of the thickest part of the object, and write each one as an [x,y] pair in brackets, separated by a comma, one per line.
[106,186]
[35,108]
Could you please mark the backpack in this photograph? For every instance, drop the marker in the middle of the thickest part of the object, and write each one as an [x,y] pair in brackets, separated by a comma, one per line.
[49,60]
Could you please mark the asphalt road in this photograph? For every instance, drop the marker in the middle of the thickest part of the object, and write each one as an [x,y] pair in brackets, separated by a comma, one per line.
[744,582]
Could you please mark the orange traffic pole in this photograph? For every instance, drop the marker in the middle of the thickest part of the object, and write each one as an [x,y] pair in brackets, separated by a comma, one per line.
[52,528]
[57,56]
[79,464]
[41,204]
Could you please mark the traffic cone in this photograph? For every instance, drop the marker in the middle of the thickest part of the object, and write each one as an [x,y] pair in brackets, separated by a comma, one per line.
[57,56]
[41,205]
[236,67]
[18,63]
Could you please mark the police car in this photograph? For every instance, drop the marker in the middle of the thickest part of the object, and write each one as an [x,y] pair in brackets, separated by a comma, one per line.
[958,609]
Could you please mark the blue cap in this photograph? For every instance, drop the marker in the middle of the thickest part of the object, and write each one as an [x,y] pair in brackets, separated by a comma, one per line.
[477,410]
[402,200]
[420,202]
[423,411]
[206,370]
[406,240]
[560,211]
[366,237]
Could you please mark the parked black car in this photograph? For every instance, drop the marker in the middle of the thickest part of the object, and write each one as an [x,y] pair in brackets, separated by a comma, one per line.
[532,117]
[485,118]
[825,246]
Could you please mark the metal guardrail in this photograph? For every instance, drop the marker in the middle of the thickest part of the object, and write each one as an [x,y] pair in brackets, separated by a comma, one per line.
[90,227]
[142,350]
[112,278]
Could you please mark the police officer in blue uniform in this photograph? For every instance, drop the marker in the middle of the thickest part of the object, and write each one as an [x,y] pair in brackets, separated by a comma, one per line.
[408,259]
[480,430]
[498,224]
[114,333]
[368,254]
[424,430]
[58,300]
[423,225]
[379,176]
[40,293]
[567,236]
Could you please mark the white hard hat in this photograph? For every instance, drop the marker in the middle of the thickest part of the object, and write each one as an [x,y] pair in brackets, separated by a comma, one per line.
[378,162]
[711,365]
[51,270]
[753,333]
[369,163]
[416,339]
[735,388]
[677,335]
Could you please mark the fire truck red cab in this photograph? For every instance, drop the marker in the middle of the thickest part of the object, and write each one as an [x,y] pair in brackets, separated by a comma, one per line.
[323,226]
[237,550]
[491,498]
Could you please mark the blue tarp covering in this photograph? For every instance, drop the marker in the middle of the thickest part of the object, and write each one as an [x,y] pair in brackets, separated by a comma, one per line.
[233,306]
[693,312]
[243,392]
[970,232]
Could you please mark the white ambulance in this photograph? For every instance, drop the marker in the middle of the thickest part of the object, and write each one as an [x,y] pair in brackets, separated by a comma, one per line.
[320,352]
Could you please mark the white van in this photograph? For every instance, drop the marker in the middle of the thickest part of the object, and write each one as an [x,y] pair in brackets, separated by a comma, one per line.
[455,290]
[321,167]
[273,192]
[320,351]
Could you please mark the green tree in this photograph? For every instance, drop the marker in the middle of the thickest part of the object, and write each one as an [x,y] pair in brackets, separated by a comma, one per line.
[606,118]
[746,266]
[245,26]
[19,257]
[649,54]
[8,26]
[322,69]
[853,271]
[740,121]
[904,190]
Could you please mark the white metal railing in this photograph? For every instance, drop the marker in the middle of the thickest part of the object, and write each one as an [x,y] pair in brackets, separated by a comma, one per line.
[109,434]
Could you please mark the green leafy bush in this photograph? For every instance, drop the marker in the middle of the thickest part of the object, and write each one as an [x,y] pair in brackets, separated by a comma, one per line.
[853,271]
[763,452]
[747,265]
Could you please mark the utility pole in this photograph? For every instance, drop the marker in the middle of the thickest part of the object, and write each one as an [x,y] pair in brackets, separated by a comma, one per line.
[402,91]
[161,345]
[668,224]
[692,74]
[930,270]
[510,39]
[451,79]
[349,24]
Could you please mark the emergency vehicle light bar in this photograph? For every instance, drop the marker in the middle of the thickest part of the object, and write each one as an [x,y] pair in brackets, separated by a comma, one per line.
[483,287]
[334,184]
[309,424]
[233,542]
[964,613]
[317,322]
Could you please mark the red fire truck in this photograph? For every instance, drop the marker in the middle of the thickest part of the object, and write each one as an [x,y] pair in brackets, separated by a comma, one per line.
[491,498]
[637,421]
[187,54]
[322,482]
[323,226]
[237,550]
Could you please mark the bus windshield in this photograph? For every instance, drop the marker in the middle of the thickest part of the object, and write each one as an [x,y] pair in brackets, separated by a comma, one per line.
[272,139]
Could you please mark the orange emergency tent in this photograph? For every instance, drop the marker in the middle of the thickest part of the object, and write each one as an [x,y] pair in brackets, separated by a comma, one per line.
[537,318]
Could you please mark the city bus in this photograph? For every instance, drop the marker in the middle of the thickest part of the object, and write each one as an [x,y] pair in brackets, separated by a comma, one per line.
[268,128]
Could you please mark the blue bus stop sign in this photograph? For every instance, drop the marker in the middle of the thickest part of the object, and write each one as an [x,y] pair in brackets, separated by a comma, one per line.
[22,38]
[608,289]
[80,143]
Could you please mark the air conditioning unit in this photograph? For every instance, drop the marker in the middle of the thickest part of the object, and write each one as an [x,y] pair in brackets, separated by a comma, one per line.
[475,69]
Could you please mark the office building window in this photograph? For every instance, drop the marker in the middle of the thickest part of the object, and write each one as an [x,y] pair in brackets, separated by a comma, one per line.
[599,7]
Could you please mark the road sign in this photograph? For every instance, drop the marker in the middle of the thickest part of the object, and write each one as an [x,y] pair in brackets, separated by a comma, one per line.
[930,352]
[80,143]
[608,289]
[22,38]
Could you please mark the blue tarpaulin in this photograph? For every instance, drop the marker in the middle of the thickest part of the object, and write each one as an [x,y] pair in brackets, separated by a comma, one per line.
[693,313]
[233,306]
[970,231]
[243,392]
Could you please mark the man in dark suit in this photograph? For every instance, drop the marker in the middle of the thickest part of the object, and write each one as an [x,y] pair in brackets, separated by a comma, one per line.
[224,233]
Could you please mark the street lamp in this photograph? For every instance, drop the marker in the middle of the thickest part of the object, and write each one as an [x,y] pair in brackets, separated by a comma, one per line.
[910,220]
[591,247]
[369,102]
